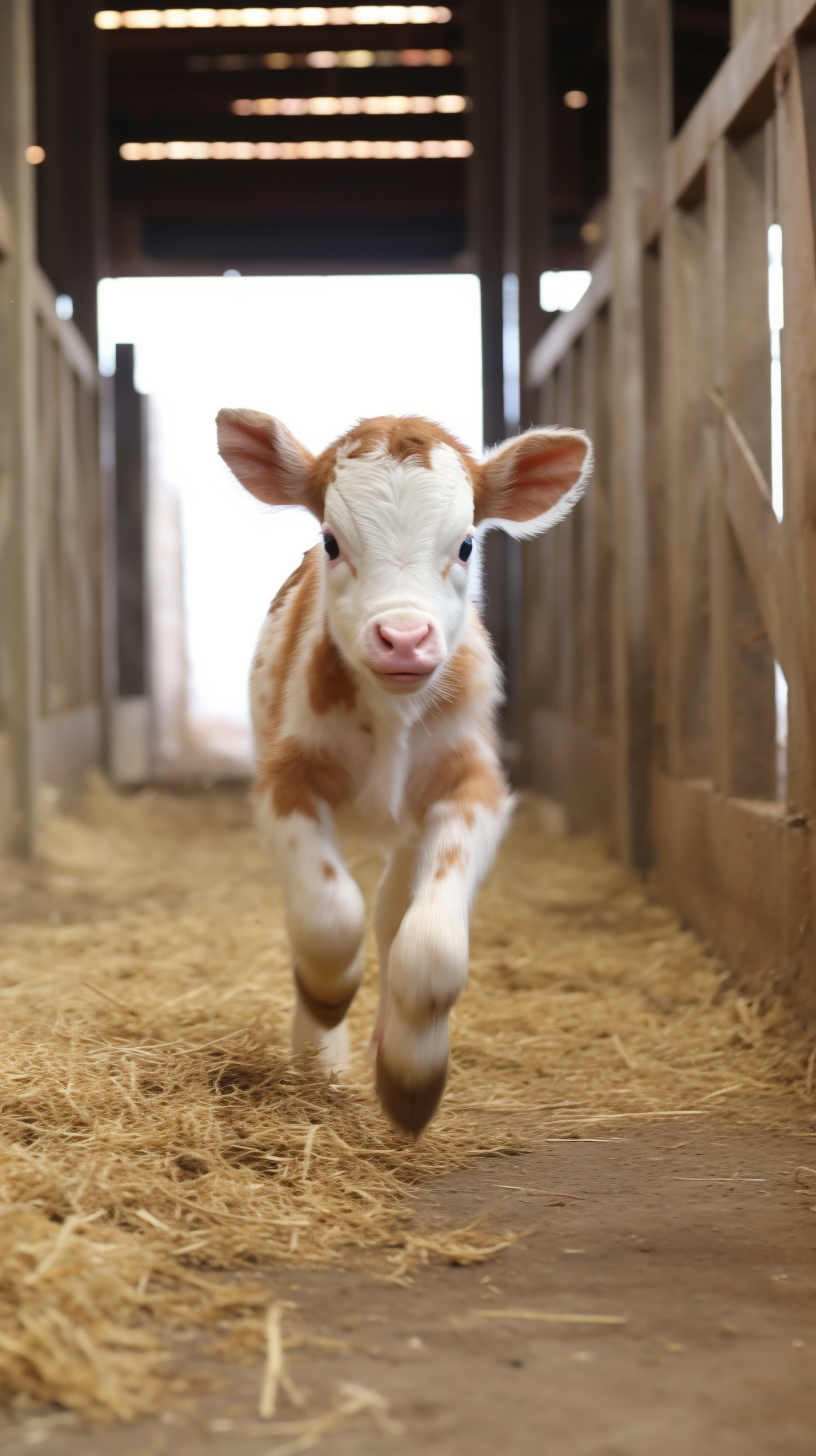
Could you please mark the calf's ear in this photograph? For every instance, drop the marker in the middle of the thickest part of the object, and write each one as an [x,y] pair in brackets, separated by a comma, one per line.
[267,459]
[533,481]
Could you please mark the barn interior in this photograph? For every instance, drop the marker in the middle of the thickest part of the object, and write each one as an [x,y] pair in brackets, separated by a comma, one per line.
[605,1238]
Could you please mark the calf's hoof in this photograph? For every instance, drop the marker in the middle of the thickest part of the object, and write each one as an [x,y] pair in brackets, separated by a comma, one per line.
[411,1108]
[327,1013]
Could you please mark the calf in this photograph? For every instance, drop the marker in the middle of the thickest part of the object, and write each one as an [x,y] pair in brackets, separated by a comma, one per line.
[375,685]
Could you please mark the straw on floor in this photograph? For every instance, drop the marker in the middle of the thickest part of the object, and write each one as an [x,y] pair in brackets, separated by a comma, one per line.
[161,1153]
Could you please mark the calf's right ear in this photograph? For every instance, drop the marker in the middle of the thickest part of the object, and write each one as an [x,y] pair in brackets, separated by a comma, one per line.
[267,459]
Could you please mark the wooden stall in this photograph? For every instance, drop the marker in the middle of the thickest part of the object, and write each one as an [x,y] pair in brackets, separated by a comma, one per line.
[54,650]
[670,624]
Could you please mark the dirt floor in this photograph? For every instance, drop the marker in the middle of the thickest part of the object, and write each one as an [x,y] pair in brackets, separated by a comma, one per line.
[604,1245]
[698,1238]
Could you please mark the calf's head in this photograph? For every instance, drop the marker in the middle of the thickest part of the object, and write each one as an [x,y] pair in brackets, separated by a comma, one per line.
[398,501]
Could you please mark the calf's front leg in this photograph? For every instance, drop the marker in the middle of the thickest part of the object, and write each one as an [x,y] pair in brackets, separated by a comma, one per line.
[427,962]
[325,919]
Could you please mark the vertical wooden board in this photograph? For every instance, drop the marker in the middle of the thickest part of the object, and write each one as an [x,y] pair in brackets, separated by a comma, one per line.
[715,458]
[747,390]
[796,191]
[743,707]
[19,598]
[563,535]
[604,543]
[641,121]
[656,496]
[587,666]
[684,326]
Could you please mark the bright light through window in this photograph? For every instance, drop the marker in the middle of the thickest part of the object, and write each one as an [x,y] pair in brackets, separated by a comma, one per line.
[206,18]
[317,352]
[335,151]
[561,288]
[348,105]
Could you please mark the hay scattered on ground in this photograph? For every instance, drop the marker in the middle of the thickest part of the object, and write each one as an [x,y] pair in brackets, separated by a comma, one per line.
[156,1134]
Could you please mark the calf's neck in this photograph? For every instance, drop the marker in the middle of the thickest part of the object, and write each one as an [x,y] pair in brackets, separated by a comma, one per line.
[375,686]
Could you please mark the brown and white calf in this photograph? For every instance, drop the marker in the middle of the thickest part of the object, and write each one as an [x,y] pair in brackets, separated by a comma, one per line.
[375,686]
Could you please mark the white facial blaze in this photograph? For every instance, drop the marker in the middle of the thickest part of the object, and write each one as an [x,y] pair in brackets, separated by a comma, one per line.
[400,526]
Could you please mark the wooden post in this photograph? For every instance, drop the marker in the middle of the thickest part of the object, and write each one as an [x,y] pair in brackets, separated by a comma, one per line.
[486,228]
[71,128]
[19,635]
[641,112]
[796,184]
[742,13]
[525,221]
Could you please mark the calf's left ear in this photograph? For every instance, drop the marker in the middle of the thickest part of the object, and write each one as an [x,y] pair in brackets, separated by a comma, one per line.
[533,481]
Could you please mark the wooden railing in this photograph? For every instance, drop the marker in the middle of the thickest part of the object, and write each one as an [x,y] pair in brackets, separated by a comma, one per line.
[728,789]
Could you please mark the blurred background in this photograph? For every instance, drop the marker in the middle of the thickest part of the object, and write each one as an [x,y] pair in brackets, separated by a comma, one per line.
[322,212]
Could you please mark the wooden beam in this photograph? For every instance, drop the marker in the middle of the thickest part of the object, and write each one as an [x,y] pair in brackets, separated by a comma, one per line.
[5,228]
[758,533]
[641,120]
[19,605]
[796,197]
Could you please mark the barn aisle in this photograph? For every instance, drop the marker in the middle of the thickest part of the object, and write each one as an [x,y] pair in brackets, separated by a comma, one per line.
[614,1209]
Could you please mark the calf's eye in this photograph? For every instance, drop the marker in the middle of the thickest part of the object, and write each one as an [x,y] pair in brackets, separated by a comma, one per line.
[332,548]
[466,548]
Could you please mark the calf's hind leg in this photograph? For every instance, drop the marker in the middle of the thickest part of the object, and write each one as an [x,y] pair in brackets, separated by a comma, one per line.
[325,918]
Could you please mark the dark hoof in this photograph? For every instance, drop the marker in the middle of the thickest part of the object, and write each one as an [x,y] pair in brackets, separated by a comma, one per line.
[411,1108]
[328,1013]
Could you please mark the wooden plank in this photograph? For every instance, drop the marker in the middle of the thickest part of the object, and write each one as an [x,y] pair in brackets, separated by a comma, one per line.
[561,335]
[6,231]
[740,77]
[641,106]
[683,363]
[743,875]
[796,184]
[6,793]
[759,534]
[485,211]
[19,615]
[743,702]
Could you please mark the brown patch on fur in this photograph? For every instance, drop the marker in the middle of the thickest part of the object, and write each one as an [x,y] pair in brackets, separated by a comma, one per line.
[448,569]
[327,1013]
[327,870]
[457,683]
[331,684]
[297,620]
[403,437]
[461,779]
[447,860]
[297,777]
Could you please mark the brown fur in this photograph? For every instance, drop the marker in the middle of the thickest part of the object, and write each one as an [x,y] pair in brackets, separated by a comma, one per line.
[299,608]
[461,778]
[447,861]
[331,684]
[403,437]
[297,576]
[298,777]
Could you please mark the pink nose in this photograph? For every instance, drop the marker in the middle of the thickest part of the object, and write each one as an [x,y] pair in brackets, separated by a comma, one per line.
[402,649]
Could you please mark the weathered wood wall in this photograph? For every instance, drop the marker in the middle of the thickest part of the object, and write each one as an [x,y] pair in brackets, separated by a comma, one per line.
[53,660]
[657,616]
